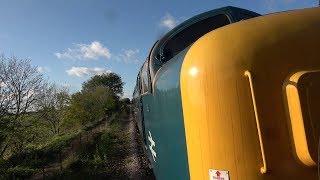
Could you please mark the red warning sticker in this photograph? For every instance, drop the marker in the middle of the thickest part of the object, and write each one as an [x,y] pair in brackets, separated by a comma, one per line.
[218,174]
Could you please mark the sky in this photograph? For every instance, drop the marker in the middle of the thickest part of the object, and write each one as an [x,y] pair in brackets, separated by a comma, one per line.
[71,40]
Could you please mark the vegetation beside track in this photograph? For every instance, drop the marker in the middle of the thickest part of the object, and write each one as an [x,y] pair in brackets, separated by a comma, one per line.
[45,131]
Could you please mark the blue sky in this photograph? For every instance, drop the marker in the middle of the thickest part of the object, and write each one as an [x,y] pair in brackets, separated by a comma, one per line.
[72,40]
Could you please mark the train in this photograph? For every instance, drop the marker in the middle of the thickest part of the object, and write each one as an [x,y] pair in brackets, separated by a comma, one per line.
[232,94]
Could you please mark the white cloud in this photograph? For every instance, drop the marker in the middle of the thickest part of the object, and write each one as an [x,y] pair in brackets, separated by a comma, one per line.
[43,69]
[91,51]
[85,71]
[129,56]
[168,21]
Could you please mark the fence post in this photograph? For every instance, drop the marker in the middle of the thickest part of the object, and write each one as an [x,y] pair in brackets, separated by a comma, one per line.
[87,136]
[43,175]
[60,158]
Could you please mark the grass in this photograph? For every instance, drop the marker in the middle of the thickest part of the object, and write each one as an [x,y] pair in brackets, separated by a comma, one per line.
[93,159]
[100,158]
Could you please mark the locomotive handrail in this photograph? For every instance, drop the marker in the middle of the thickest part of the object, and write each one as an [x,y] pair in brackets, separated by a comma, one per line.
[263,169]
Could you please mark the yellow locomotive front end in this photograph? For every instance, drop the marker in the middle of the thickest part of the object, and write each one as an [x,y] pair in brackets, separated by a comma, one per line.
[250,94]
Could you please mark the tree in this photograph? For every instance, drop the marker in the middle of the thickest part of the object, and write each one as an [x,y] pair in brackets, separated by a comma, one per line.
[52,105]
[88,106]
[125,101]
[111,81]
[20,83]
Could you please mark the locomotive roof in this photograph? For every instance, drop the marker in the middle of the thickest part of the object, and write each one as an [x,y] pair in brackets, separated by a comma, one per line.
[233,13]
[229,10]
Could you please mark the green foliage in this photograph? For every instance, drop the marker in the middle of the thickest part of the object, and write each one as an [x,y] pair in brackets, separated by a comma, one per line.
[31,132]
[125,101]
[58,142]
[93,124]
[53,106]
[23,164]
[93,160]
[88,106]
[37,156]
[20,172]
[38,127]
[111,81]
[109,144]
[19,90]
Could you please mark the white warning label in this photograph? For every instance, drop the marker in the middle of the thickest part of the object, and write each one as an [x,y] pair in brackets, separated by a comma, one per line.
[218,174]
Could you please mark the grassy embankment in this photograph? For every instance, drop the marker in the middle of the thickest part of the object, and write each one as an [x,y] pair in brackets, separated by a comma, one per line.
[82,154]
[99,158]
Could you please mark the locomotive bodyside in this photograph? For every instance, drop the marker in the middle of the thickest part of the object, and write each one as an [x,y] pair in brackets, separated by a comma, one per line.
[237,101]
[240,121]
[164,123]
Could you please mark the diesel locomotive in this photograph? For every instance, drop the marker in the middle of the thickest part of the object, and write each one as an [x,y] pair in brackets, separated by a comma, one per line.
[231,94]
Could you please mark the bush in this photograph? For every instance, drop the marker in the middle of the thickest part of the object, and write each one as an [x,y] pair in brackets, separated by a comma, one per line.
[21,172]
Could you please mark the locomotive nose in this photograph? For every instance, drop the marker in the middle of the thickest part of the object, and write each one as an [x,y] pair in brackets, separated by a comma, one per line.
[303,98]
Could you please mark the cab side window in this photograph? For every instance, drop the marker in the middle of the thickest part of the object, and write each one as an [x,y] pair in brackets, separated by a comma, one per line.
[192,33]
[144,78]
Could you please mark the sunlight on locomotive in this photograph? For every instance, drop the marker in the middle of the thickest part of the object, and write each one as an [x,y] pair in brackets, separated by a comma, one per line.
[298,129]
[193,71]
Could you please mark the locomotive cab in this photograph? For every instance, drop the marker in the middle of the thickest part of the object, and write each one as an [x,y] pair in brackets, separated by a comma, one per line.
[257,85]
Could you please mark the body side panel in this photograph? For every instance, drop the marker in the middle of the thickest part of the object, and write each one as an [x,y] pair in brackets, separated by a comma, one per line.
[164,120]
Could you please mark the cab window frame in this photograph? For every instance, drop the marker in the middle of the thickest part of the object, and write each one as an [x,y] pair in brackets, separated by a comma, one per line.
[162,48]
[145,78]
